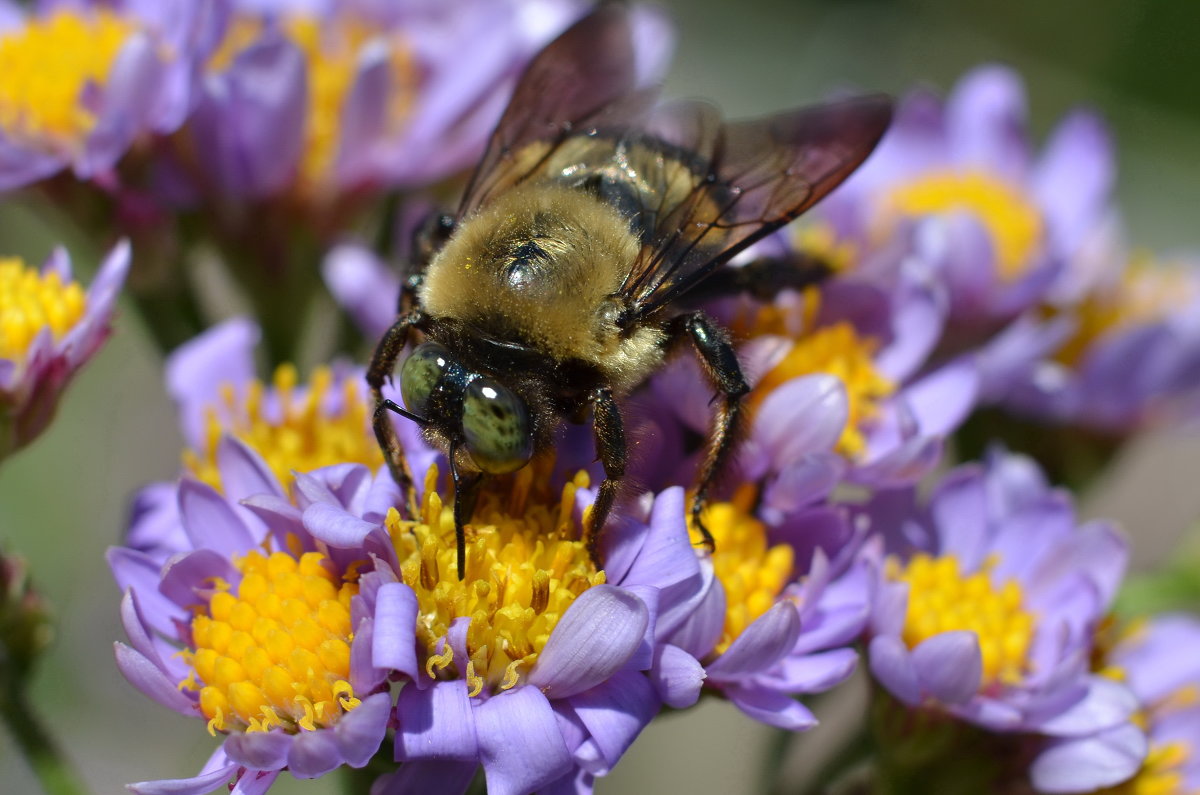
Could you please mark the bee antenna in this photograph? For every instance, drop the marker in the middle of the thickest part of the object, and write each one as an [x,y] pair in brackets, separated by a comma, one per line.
[391,405]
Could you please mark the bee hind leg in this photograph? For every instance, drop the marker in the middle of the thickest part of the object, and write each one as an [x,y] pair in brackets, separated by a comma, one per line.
[611,449]
[720,362]
[383,362]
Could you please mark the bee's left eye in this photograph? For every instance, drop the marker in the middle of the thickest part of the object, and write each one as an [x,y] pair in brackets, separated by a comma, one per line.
[495,425]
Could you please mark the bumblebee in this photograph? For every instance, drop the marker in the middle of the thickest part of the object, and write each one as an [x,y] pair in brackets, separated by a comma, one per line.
[557,286]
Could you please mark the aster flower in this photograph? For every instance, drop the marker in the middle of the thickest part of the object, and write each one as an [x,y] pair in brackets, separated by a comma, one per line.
[82,82]
[534,665]
[990,599]
[998,226]
[778,614]
[49,328]
[258,627]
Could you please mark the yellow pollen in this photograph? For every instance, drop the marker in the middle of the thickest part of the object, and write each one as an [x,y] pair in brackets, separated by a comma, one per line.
[752,573]
[1013,224]
[275,651]
[1147,292]
[332,49]
[30,302]
[942,599]
[48,66]
[835,350]
[525,567]
[291,429]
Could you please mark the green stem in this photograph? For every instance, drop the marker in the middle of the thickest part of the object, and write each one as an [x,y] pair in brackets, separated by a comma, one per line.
[47,761]
[854,750]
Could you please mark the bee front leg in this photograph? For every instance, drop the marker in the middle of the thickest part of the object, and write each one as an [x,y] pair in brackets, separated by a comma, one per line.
[466,492]
[383,363]
[720,362]
[610,447]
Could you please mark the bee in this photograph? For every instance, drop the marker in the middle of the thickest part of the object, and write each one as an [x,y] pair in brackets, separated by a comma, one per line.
[555,289]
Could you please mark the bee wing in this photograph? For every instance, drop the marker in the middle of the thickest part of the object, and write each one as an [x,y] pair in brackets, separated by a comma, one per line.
[583,78]
[760,175]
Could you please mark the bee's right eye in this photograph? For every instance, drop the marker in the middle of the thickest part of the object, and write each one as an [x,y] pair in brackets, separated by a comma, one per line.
[420,375]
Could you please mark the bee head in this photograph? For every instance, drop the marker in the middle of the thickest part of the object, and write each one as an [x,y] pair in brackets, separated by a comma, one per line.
[489,419]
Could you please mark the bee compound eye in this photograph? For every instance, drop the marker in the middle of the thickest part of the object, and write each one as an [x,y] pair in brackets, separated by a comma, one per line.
[495,425]
[419,376]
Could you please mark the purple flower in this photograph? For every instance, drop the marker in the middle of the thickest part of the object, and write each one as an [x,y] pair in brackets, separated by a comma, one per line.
[535,665]
[50,329]
[84,81]
[259,627]
[998,227]
[763,634]
[1125,356]
[990,599]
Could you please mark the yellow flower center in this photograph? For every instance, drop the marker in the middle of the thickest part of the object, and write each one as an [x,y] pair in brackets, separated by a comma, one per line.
[30,302]
[1148,291]
[752,573]
[332,49]
[835,350]
[275,651]
[48,65]
[1160,774]
[525,567]
[1013,224]
[942,599]
[292,430]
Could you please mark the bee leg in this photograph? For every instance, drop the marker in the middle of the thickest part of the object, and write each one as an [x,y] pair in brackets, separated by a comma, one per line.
[716,352]
[383,362]
[610,447]
[466,491]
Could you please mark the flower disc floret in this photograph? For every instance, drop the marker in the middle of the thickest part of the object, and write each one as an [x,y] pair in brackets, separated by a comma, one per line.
[292,428]
[274,651]
[752,572]
[48,65]
[524,567]
[943,598]
[31,301]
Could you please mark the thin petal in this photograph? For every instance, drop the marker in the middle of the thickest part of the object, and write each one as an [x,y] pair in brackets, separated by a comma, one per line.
[1090,763]
[198,785]
[333,525]
[150,679]
[677,677]
[436,723]
[761,645]
[209,521]
[616,712]
[260,750]
[595,637]
[314,754]
[520,744]
[1106,704]
[891,663]
[772,708]
[359,733]
[394,645]
[949,666]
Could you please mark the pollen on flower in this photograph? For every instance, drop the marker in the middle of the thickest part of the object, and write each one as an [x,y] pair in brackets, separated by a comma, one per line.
[941,598]
[31,301]
[332,50]
[273,650]
[1013,223]
[49,64]
[293,429]
[525,567]
[752,572]
[836,350]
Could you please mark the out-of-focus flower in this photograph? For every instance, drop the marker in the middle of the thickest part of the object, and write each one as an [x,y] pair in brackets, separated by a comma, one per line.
[84,81]
[321,102]
[1125,356]
[534,643]
[991,599]
[998,227]
[260,628]
[49,328]
[25,624]
[779,612]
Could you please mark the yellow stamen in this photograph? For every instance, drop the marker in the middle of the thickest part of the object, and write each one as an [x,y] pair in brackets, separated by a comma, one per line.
[1013,223]
[942,598]
[299,434]
[30,302]
[332,49]
[752,573]
[523,570]
[48,67]
[275,651]
[836,350]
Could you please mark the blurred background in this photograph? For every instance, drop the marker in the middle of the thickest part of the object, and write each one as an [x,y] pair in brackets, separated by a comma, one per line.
[64,500]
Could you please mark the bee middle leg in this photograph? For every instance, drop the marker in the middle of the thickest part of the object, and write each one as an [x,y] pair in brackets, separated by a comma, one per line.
[383,363]
[720,362]
[611,448]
